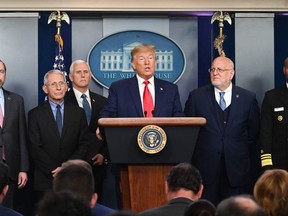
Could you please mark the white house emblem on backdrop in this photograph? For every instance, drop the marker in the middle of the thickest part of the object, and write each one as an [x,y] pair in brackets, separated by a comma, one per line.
[110,58]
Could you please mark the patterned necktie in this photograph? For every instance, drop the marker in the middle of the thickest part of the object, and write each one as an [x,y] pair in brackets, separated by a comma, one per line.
[1,124]
[59,118]
[147,101]
[86,108]
[222,102]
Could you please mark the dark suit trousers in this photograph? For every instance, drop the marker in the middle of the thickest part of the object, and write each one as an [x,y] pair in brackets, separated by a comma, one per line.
[221,188]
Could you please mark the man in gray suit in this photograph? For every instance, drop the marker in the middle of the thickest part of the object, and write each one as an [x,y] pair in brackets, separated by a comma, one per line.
[13,139]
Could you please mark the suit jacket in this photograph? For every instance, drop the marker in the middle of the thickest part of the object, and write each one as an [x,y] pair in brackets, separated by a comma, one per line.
[97,104]
[8,212]
[124,99]
[48,149]
[273,134]
[176,206]
[14,135]
[101,210]
[234,143]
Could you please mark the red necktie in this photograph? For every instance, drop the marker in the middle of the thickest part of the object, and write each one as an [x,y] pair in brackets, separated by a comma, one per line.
[147,101]
[1,124]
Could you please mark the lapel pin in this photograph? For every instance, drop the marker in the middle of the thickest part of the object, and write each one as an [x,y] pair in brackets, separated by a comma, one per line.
[280,118]
[161,89]
[237,95]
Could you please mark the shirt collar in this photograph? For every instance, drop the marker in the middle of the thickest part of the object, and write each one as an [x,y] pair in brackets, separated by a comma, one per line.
[229,89]
[141,80]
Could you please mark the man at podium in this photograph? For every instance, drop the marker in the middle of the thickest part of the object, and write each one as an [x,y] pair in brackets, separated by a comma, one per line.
[143,95]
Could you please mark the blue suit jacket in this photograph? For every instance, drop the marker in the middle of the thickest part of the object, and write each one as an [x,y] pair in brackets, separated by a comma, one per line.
[234,143]
[124,99]
[8,212]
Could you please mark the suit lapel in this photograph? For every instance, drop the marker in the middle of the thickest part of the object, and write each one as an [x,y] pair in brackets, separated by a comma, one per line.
[284,95]
[212,105]
[159,96]
[66,119]
[234,106]
[133,90]
[95,109]
[50,118]
[8,106]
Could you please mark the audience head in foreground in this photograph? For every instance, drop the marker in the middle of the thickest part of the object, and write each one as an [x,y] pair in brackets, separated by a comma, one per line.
[183,186]
[200,208]
[184,180]
[271,192]
[62,204]
[82,184]
[240,205]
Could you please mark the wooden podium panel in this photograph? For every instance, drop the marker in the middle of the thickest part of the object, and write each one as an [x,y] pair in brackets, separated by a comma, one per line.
[143,175]
[143,186]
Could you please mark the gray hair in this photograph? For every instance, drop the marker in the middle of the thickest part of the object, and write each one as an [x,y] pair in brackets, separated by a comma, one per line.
[45,79]
[79,61]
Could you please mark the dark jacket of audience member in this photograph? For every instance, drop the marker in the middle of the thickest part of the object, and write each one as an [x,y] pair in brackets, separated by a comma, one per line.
[4,187]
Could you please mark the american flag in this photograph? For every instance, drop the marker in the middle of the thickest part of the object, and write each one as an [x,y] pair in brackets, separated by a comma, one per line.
[59,63]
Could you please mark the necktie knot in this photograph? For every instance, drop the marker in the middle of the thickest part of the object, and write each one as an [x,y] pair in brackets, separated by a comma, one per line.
[222,102]
[146,82]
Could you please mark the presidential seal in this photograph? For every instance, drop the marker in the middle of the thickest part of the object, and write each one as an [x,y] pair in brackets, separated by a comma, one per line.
[151,139]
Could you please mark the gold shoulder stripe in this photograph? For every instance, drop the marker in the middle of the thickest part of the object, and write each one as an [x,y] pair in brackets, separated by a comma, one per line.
[266,160]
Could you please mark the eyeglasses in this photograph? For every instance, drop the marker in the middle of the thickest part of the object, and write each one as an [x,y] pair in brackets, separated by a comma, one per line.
[55,84]
[219,70]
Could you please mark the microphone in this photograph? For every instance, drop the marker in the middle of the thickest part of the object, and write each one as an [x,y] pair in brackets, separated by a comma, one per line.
[145,113]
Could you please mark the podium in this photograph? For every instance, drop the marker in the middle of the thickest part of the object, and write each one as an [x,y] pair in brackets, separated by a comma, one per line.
[143,175]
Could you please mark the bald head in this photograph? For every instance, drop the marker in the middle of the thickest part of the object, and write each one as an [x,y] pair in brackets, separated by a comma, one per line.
[242,205]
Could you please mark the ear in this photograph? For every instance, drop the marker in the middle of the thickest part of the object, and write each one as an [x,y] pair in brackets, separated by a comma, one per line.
[166,188]
[199,194]
[133,66]
[284,70]
[5,190]
[44,88]
[70,77]
[93,200]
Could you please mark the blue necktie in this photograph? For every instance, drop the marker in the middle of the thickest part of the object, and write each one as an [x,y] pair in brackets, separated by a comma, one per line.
[59,118]
[222,102]
[86,108]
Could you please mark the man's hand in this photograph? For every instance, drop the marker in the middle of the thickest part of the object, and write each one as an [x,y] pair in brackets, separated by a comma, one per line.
[55,171]
[98,134]
[98,159]
[22,179]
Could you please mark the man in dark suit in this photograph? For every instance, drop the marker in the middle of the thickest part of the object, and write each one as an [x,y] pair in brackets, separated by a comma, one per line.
[4,188]
[223,148]
[274,120]
[183,186]
[57,132]
[80,76]
[13,138]
[126,96]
